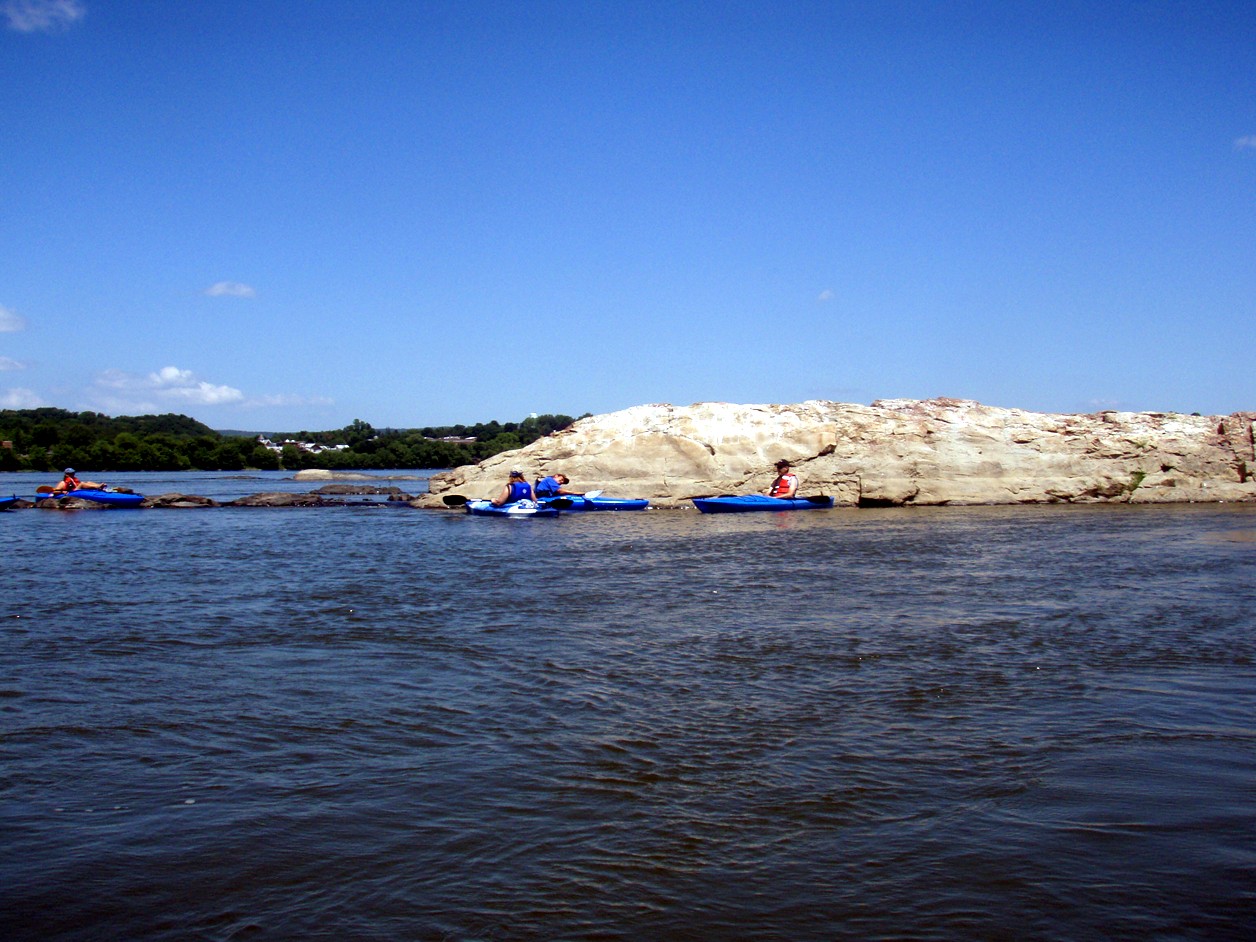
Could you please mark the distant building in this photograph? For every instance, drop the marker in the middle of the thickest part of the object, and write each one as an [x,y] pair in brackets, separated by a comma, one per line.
[314,448]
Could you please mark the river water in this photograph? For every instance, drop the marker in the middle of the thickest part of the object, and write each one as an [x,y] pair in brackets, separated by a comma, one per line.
[374,723]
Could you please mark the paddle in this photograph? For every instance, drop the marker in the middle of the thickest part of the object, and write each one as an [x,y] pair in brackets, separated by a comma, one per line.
[814,500]
[44,489]
[592,495]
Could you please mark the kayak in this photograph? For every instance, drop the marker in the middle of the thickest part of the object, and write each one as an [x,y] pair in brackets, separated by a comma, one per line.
[748,502]
[580,502]
[520,508]
[7,501]
[113,498]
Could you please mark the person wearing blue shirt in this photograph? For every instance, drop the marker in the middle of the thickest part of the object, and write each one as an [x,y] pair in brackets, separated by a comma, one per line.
[555,486]
[516,489]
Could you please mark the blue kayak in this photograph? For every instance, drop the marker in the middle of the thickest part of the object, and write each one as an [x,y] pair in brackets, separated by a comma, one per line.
[7,501]
[113,498]
[580,502]
[745,503]
[520,508]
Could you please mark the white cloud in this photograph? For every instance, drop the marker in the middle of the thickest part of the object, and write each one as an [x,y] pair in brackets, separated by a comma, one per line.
[170,389]
[9,365]
[1246,143]
[42,16]
[10,321]
[169,384]
[230,289]
[17,398]
[173,383]
[825,295]
[287,399]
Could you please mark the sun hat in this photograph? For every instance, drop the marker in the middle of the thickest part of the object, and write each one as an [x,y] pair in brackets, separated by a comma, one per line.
[516,473]
[782,463]
[69,470]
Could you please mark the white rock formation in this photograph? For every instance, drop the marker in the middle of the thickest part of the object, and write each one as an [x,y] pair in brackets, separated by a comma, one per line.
[893,452]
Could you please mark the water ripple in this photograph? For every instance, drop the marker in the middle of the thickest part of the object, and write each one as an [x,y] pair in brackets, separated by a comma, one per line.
[980,724]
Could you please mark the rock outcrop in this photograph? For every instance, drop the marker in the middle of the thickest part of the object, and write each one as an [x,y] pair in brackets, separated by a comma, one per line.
[283,499]
[69,503]
[890,453]
[179,501]
[391,493]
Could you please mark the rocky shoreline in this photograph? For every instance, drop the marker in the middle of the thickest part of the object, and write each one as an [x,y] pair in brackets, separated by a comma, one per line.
[331,495]
[892,453]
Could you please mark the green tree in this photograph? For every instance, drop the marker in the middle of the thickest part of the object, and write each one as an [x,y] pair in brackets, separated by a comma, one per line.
[292,458]
[37,460]
[263,458]
[227,457]
[128,452]
[45,434]
[79,435]
[356,433]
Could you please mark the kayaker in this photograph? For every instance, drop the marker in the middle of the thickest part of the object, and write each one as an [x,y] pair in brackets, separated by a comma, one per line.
[786,483]
[555,486]
[516,489]
[69,482]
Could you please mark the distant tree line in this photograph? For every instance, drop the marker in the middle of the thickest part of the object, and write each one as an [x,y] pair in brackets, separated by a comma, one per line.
[50,439]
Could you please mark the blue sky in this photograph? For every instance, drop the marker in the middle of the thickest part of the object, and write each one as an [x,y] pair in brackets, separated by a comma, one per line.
[288,215]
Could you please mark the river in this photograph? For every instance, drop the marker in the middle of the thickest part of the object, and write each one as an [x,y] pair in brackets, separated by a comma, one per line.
[380,723]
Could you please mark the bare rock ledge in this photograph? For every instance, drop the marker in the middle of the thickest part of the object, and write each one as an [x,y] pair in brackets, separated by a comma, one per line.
[893,452]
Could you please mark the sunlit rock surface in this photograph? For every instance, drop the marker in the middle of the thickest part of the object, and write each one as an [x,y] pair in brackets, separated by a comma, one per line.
[892,452]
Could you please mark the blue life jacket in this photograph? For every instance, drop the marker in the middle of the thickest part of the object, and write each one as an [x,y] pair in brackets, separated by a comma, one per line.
[519,490]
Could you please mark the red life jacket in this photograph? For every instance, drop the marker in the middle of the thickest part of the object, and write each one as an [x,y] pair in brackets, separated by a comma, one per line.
[782,484]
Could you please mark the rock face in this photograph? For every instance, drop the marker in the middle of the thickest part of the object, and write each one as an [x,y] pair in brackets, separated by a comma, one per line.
[892,452]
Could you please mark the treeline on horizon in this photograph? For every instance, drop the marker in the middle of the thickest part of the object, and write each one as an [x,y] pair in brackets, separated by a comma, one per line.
[49,439]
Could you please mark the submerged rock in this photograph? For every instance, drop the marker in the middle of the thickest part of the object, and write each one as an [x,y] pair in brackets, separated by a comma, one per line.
[179,501]
[282,499]
[68,503]
[392,493]
[893,452]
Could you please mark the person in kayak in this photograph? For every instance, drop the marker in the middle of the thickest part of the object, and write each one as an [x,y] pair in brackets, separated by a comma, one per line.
[516,489]
[555,486]
[786,483]
[69,482]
